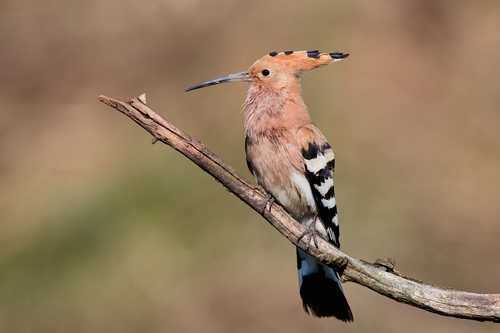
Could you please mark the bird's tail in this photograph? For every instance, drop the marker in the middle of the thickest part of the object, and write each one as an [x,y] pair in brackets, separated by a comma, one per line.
[320,289]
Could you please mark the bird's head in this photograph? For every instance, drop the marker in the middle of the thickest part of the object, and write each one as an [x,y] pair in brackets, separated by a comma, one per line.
[278,70]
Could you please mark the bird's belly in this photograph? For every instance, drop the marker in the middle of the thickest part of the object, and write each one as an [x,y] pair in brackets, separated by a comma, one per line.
[287,185]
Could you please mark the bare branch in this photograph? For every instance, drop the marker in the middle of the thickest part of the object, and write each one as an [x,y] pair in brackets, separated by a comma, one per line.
[380,277]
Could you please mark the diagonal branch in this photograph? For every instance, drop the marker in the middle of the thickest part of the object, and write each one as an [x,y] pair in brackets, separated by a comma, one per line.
[380,277]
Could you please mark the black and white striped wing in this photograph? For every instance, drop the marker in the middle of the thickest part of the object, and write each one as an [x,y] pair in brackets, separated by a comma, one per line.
[319,162]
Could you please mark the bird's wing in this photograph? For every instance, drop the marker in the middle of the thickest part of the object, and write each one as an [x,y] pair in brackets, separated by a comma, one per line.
[319,164]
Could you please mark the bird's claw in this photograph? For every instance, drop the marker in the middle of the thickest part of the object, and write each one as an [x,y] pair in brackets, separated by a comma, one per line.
[269,200]
[310,232]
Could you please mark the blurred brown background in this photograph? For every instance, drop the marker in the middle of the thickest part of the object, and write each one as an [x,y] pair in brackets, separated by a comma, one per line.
[103,232]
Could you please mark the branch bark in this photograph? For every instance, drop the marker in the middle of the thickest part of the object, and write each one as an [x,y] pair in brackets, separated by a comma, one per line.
[380,277]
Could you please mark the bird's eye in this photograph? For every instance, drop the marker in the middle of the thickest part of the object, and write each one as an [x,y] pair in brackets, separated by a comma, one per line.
[265,72]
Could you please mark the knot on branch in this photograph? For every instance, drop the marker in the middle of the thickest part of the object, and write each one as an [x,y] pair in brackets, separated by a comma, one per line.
[386,264]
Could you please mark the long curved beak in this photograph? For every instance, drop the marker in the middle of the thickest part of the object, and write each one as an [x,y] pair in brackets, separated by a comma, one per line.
[242,76]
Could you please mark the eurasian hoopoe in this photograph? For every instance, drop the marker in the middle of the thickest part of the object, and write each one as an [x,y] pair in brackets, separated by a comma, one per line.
[291,159]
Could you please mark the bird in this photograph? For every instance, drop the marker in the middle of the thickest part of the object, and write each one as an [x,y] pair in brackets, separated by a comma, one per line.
[293,162]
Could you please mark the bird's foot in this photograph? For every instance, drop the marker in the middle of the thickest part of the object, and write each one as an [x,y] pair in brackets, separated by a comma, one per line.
[310,232]
[269,200]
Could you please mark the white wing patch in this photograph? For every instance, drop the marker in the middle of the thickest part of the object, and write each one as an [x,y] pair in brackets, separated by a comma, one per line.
[329,155]
[335,221]
[315,164]
[329,203]
[304,188]
[324,187]
[332,235]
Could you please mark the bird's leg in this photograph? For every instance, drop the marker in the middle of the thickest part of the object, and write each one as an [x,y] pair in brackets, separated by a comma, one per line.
[310,232]
[268,200]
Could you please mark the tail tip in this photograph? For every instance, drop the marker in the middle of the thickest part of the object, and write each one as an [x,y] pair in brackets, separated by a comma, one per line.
[323,297]
[342,314]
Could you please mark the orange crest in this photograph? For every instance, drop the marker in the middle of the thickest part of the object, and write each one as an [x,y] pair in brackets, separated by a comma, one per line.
[300,61]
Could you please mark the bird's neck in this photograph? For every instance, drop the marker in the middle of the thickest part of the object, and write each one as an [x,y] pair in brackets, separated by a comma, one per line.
[269,109]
